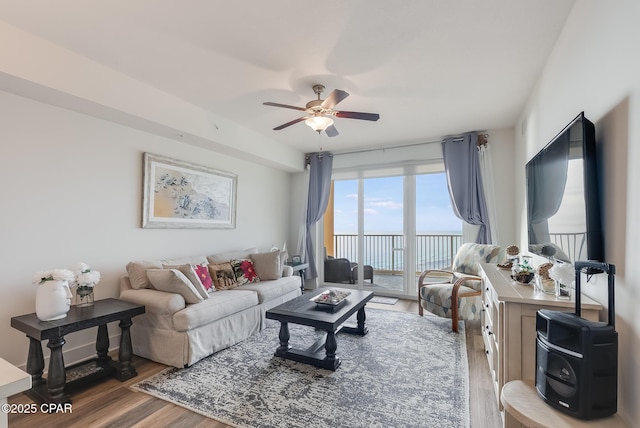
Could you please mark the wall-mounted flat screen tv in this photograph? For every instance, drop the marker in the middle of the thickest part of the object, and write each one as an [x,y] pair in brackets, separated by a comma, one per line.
[563,197]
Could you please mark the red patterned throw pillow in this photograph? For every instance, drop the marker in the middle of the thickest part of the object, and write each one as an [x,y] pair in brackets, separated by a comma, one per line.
[244,271]
[205,278]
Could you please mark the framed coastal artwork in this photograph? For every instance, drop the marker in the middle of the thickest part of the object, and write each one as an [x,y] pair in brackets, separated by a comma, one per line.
[179,194]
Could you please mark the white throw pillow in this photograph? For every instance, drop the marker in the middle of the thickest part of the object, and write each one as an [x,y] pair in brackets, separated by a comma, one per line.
[174,281]
[192,275]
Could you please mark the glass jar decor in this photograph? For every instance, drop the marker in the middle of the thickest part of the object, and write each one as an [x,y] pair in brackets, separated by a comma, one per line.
[544,283]
[563,291]
[84,296]
[86,279]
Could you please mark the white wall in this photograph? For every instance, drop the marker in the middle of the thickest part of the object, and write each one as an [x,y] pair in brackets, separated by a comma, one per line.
[595,68]
[73,192]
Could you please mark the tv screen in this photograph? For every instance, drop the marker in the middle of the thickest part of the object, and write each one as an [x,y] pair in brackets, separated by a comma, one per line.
[563,201]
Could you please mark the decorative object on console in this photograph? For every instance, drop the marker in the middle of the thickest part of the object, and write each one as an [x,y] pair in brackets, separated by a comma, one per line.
[183,195]
[513,254]
[53,297]
[85,280]
[564,276]
[523,272]
[544,282]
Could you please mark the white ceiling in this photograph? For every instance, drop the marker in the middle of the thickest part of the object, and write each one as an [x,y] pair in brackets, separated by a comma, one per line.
[429,67]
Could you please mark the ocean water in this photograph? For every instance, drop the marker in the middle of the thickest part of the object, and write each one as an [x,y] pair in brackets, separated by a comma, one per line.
[433,251]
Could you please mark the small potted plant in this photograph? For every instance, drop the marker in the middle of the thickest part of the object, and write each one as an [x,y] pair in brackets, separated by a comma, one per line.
[523,272]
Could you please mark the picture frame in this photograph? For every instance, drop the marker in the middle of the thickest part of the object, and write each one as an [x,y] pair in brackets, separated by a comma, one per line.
[296,260]
[183,195]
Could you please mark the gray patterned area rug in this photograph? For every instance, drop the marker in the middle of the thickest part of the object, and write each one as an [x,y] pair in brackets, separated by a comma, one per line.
[409,371]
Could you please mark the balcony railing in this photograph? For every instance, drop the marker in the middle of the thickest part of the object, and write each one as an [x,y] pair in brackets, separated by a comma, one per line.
[573,244]
[384,252]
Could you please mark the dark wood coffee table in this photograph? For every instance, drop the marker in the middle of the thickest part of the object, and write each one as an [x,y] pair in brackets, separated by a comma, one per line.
[305,312]
[55,388]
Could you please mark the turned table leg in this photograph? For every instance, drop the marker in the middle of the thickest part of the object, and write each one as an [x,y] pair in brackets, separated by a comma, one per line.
[331,362]
[284,339]
[102,346]
[35,362]
[57,375]
[361,317]
[125,370]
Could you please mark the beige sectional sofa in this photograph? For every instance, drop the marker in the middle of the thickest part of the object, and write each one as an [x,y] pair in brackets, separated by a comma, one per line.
[179,328]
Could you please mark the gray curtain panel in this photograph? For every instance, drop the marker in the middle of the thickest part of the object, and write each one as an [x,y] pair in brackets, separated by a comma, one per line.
[320,165]
[462,166]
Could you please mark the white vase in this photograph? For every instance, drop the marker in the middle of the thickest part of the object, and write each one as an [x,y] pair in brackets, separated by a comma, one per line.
[53,300]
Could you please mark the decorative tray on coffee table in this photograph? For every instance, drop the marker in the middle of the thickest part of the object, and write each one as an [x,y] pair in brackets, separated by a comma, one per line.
[330,299]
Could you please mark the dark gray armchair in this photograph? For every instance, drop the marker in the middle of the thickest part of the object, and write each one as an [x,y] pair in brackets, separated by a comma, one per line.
[337,270]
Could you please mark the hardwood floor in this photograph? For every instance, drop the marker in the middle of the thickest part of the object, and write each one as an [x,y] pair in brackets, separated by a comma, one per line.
[112,404]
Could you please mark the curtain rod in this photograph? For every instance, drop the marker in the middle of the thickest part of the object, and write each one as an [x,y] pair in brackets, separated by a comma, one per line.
[482,140]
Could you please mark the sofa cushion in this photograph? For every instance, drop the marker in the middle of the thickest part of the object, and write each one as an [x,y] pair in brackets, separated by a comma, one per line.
[268,290]
[230,255]
[267,265]
[190,272]
[219,305]
[222,276]
[137,272]
[244,271]
[174,281]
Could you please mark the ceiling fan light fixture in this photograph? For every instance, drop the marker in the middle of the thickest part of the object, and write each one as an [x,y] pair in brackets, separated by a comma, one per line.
[319,123]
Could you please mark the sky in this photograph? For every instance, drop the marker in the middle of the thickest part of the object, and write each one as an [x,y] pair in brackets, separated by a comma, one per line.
[383,205]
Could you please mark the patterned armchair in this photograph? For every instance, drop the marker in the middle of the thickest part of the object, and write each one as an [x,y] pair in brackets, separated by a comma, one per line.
[456,293]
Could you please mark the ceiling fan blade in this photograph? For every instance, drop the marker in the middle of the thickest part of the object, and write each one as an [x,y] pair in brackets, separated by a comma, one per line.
[334,98]
[357,115]
[331,131]
[284,106]
[293,122]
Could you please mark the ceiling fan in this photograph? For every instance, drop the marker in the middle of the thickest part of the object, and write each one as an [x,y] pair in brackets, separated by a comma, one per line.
[320,112]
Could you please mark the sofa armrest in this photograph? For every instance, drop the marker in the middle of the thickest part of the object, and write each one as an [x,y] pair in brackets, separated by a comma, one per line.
[156,302]
[287,271]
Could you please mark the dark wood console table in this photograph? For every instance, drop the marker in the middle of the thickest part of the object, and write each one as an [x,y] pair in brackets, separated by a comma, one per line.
[55,388]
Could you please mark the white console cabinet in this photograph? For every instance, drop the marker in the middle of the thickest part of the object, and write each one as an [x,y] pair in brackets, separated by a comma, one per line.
[509,327]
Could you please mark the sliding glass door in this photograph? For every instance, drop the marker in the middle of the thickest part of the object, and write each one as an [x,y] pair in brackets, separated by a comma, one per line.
[380,232]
